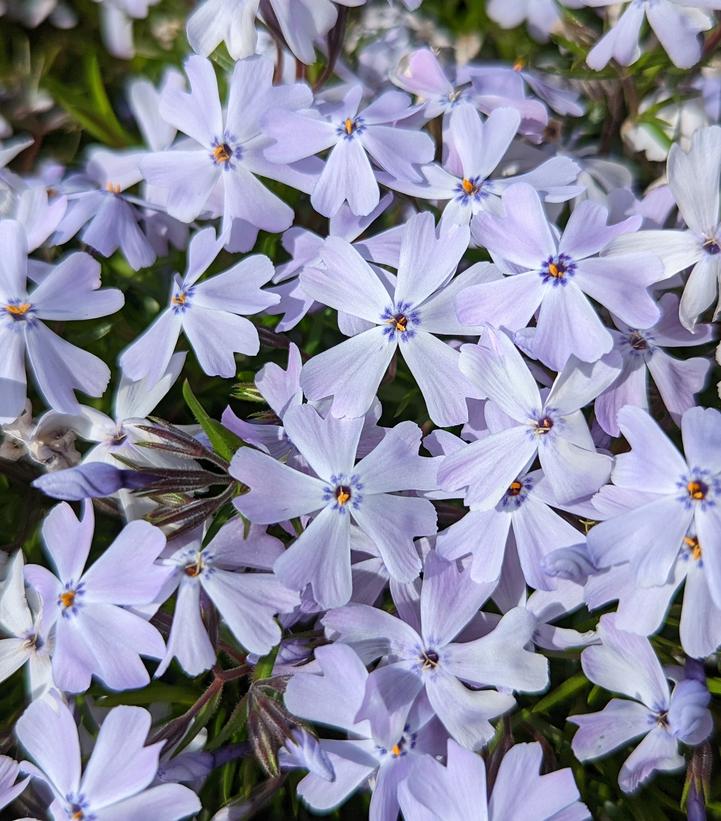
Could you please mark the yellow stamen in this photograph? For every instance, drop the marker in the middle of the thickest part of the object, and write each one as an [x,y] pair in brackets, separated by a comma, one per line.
[349,125]
[395,750]
[18,310]
[401,323]
[113,188]
[342,495]
[67,599]
[554,270]
[180,298]
[468,186]
[693,545]
[697,490]
[519,65]
[222,152]
[515,488]
[195,568]
[77,816]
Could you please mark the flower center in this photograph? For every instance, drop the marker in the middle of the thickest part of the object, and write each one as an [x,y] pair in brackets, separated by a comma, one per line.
[195,568]
[429,659]
[697,490]
[557,270]
[67,599]
[543,426]
[349,125]
[515,488]
[343,494]
[112,187]
[692,543]
[469,186]
[712,247]
[637,341]
[180,298]
[18,310]
[222,153]
[400,323]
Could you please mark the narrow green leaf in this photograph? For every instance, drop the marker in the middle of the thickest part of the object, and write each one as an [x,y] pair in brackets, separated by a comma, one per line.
[562,693]
[264,668]
[223,441]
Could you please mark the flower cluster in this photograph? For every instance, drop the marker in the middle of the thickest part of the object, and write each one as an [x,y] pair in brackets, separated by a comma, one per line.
[457,530]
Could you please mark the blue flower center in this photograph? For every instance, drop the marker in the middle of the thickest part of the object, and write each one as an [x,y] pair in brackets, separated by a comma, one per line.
[557,270]
[350,127]
[224,151]
[19,310]
[400,321]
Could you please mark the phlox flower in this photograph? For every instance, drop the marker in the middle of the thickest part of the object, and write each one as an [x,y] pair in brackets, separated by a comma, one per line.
[115,783]
[95,633]
[352,135]
[68,291]
[344,496]
[10,150]
[474,151]
[303,752]
[376,756]
[116,24]
[626,664]
[556,276]
[96,201]
[542,16]
[665,500]
[458,790]
[10,787]
[214,170]
[24,619]
[677,380]
[29,202]
[423,653]
[246,601]
[210,313]
[394,313]
[676,23]
[694,180]
[553,428]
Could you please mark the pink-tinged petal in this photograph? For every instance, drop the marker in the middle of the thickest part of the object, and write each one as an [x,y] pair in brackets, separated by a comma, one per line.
[297,135]
[481,146]
[148,357]
[505,303]
[654,463]
[333,698]
[349,372]
[693,177]
[347,176]
[500,659]
[445,582]
[277,492]
[120,765]
[198,113]
[248,603]
[676,249]
[68,539]
[328,445]
[216,335]
[573,472]
[125,573]
[47,731]
[630,388]
[186,177]
[465,712]
[568,324]
[587,233]
[238,290]
[621,42]
[488,466]
[188,640]
[394,463]
[497,369]
[13,262]
[393,522]
[626,663]
[246,198]
[658,751]
[435,367]
[483,535]
[522,235]
[59,368]
[601,733]
[678,380]
[700,291]
[320,556]
[347,283]
[166,802]
[426,261]
[606,278]
[371,632]
[399,151]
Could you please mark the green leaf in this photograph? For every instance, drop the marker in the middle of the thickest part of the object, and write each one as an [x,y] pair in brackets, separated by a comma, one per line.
[156,692]
[235,723]
[264,668]
[564,692]
[223,441]
[207,711]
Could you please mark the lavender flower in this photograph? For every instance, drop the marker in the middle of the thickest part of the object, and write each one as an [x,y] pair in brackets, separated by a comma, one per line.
[552,428]
[247,602]
[677,380]
[344,496]
[116,24]
[23,617]
[68,291]
[542,16]
[421,654]
[9,789]
[383,759]
[626,664]
[694,180]
[671,498]
[94,632]
[348,175]
[555,277]
[89,481]
[457,791]
[214,169]
[117,777]
[405,314]
[211,314]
